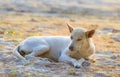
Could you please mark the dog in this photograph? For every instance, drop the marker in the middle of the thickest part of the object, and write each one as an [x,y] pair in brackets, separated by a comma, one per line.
[75,49]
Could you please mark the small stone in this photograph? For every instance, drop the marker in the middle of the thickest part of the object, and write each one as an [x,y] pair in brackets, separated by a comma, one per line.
[118,64]
[115,31]
[33,20]
[100,75]
[116,39]
[114,57]
[106,30]
[86,63]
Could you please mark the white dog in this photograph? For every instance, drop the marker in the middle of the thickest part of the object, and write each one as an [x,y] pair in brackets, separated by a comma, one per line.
[59,48]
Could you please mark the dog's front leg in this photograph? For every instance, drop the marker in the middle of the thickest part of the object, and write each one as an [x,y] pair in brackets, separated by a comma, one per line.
[74,62]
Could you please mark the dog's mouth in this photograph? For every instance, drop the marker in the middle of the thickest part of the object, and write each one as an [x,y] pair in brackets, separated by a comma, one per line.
[71,49]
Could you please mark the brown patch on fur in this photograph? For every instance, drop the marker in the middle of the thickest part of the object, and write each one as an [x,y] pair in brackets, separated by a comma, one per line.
[70,28]
[90,33]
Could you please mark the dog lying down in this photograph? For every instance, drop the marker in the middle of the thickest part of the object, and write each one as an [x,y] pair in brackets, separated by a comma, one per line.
[75,49]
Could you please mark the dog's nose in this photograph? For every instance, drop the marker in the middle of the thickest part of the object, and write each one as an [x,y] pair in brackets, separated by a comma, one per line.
[71,48]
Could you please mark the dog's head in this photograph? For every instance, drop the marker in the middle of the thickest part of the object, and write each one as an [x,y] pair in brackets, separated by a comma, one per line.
[79,38]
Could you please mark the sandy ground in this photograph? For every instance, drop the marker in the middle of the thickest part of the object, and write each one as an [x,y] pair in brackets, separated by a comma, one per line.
[16,27]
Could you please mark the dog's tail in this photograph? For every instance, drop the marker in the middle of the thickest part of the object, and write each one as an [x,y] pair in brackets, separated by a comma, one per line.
[16,52]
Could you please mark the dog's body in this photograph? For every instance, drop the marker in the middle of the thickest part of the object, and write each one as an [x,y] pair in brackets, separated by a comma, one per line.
[58,48]
[45,46]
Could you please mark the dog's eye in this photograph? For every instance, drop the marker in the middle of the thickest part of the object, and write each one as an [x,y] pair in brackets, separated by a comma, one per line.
[79,39]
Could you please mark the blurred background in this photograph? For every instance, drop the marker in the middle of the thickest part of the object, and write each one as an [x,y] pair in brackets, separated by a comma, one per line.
[63,8]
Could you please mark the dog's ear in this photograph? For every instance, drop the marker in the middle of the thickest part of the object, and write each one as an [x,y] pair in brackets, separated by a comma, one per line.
[90,33]
[70,28]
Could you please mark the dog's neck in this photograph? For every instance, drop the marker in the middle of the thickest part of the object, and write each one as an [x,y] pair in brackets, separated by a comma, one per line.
[87,43]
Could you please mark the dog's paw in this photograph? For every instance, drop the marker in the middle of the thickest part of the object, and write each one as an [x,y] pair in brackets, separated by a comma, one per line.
[77,65]
[86,63]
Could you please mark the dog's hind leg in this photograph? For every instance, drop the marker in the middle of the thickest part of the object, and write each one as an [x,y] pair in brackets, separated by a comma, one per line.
[41,49]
